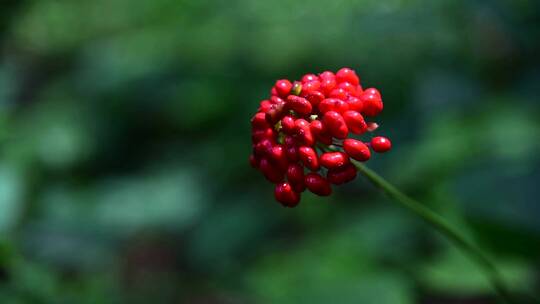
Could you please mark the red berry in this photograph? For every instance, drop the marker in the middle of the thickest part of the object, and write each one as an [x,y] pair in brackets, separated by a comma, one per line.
[373,104]
[356,149]
[292,154]
[277,100]
[381,144]
[279,157]
[259,121]
[290,141]
[332,160]
[320,132]
[263,147]
[287,124]
[318,184]
[309,158]
[311,86]
[333,104]
[265,106]
[303,132]
[300,124]
[258,135]
[273,91]
[309,77]
[359,90]
[327,85]
[336,124]
[327,75]
[339,93]
[348,87]
[276,111]
[270,171]
[355,122]
[341,175]
[372,91]
[314,97]
[291,149]
[299,104]
[295,176]
[306,137]
[285,194]
[355,104]
[316,127]
[347,75]
[283,87]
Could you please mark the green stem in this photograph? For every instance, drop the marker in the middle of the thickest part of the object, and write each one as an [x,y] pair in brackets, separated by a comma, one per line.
[443,227]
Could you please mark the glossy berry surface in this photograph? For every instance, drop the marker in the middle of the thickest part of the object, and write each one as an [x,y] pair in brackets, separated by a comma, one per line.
[356,149]
[332,160]
[306,134]
[318,184]
[283,87]
[285,194]
[381,144]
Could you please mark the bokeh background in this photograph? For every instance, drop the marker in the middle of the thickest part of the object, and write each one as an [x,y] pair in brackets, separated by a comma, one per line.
[124,137]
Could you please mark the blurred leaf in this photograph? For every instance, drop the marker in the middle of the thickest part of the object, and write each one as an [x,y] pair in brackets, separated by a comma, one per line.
[453,273]
[11,195]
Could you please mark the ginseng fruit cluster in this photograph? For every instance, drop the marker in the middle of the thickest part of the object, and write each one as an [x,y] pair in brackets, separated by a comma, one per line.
[317,113]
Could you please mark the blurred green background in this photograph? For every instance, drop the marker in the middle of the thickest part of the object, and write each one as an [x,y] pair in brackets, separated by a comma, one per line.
[124,137]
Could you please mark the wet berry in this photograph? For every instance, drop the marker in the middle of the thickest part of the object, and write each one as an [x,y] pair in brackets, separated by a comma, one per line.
[292,154]
[265,105]
[318,184]
[372,104]
[279,157]
[285,194]
[314,97]
[311,86]
[295,176]
[327,75]
[283,87]
[332,160]
[355,122]
[349,88]
[309,78]
[327,85]
[336,124]
[309,158]
[347,75]
[267,133]
[341,175]
[270,171]
[259,121]
[355,104]
[381,144]
[299,104]
[333,104]
[320,132]
[339,93]
[287,124]
[263,147]
[356,149]
[372,91]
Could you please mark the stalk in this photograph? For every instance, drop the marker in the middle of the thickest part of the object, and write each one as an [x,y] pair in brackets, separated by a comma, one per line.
[441,225]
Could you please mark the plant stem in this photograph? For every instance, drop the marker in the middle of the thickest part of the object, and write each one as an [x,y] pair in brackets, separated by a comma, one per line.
[439,223]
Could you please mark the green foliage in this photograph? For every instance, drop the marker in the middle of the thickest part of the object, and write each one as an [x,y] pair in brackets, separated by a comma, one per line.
[124,138]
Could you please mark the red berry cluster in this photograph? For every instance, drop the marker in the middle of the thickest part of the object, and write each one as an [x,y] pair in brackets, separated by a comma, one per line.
[314,113]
